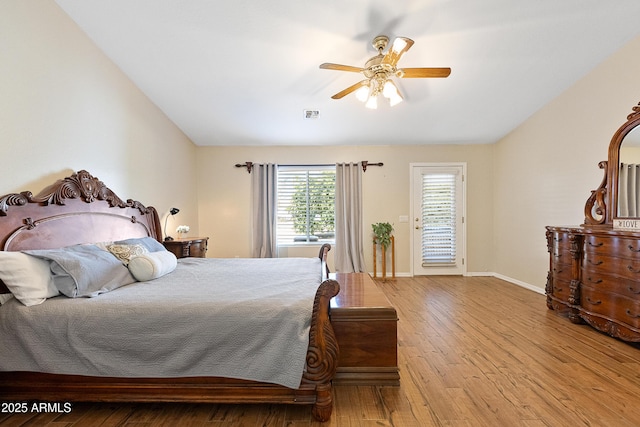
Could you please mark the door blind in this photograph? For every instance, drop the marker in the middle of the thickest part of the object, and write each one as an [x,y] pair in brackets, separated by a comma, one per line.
[439,219]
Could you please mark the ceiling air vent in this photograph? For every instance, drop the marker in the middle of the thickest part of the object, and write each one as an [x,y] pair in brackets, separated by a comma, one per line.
[311,114]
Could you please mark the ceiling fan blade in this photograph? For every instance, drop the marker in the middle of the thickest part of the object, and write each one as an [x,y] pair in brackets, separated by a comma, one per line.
[398,48]
[339,67]
[350,89]
[410,73]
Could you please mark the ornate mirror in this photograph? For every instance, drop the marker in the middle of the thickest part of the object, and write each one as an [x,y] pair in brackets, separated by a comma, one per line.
[629,176]
[616,202]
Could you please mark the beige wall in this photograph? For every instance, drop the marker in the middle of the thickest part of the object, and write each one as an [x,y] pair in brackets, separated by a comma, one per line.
[65,106]
[547,167]
[224,193]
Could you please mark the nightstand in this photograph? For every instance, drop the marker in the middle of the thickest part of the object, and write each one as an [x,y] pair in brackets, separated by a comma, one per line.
[190,247]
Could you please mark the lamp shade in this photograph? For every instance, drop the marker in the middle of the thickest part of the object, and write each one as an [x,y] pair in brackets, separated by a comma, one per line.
[172,212]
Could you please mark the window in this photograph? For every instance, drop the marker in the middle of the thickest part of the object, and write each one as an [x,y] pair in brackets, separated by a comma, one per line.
[306,204]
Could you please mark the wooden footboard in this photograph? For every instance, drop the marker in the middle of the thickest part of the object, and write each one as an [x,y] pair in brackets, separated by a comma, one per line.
[315,388]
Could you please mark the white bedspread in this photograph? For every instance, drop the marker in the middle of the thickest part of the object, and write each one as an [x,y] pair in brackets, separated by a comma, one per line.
[236,318]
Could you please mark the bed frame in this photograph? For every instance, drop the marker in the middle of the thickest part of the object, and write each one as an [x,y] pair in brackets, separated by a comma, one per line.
[81,209]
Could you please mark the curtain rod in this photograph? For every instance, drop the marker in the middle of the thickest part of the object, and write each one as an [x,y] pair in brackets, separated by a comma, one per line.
[364,163]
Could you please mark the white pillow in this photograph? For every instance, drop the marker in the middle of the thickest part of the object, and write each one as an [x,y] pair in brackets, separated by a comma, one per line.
[152,265]
[27,277]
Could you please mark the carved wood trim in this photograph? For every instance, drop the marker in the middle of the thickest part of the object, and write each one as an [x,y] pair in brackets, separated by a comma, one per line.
[595,210]
[81,185]
[611,327]
[322,340]
[322,355]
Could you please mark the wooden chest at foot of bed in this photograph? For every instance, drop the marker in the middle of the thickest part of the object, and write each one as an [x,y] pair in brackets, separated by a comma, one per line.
[365,324]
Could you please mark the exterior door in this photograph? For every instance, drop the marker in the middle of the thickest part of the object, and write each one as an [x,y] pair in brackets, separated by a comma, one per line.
[437,223]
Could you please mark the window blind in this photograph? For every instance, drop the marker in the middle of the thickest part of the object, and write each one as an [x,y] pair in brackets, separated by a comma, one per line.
[306,204]
[439,219]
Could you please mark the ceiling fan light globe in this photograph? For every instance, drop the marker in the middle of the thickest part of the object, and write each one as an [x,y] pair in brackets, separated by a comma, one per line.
[363,93]
[372,102]
[395,100]
[389,89]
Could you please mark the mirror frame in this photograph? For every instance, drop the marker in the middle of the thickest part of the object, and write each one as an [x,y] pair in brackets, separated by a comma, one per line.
[604,200]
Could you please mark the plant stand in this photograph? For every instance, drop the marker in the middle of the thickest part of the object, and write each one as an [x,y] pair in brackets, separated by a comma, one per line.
[384,259]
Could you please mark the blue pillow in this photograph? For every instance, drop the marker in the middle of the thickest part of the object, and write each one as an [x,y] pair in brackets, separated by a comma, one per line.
[84,270]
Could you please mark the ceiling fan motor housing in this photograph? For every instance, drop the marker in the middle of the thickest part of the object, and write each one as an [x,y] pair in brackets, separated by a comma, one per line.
[380,42]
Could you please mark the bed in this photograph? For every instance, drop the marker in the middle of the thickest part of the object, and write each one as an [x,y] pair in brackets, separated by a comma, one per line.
[165,333]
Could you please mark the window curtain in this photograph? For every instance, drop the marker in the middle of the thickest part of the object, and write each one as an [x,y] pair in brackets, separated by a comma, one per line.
[349,254]
[263,207]
[629,185]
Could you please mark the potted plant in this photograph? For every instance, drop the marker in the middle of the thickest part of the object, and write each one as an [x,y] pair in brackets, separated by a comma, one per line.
[382,233]
[382,236]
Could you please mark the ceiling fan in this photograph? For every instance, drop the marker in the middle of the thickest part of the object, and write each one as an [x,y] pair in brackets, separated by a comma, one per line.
[379,70]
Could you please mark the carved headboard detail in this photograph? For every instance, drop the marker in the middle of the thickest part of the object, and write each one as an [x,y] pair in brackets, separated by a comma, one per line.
[73,210]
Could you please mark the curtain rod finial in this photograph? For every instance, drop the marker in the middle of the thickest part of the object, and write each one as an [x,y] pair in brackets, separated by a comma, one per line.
[248,165]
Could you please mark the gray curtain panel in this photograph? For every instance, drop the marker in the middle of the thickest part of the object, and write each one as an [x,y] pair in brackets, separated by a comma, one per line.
[349,253]
[263,207]
[628,186]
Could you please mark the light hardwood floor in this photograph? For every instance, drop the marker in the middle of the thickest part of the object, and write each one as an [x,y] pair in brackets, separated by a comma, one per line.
[472,352]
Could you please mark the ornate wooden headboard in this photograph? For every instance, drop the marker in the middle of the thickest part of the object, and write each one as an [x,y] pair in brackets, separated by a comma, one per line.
[74,210]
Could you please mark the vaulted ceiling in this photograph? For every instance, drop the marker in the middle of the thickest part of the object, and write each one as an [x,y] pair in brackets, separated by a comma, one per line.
[243,72]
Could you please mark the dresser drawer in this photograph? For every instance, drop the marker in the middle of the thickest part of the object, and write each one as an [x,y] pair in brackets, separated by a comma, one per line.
[561,289]
[561,272]
[594,264]
[611,284]
[620,246]
[611,305]
[561,244]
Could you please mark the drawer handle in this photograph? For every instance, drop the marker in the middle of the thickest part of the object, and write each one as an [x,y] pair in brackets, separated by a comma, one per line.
[556,270]
[632,249]
[632,290]
[631,269]
[594,302]
[632,315]
[595,245]
[557,289]
[595,262]
[594,281]
[558,239]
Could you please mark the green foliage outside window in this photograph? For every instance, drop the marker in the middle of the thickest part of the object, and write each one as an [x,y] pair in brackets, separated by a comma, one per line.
[313,205]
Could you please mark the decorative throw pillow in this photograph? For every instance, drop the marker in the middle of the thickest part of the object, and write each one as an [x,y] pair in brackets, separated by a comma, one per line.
[150,243]
[27,277]
[152,265]
[125,252]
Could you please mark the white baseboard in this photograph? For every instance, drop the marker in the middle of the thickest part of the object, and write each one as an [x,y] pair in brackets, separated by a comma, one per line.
[520,283]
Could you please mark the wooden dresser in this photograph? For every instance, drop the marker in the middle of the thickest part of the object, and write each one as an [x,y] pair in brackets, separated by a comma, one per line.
[365,324]
[182,248]
[594,276]
[594,268]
